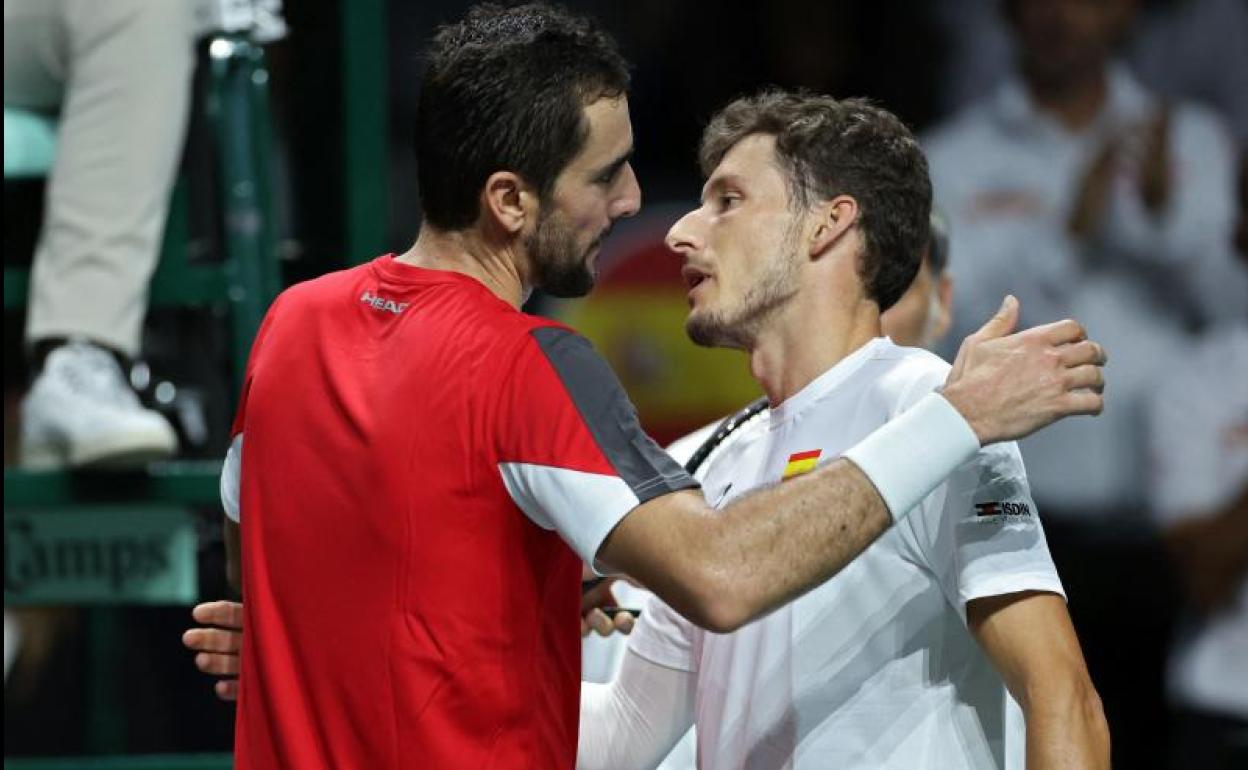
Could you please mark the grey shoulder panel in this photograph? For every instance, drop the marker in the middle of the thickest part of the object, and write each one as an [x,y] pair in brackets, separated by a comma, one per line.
[609,415]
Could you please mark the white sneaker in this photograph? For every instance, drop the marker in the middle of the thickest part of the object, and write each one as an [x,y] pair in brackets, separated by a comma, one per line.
[81,411]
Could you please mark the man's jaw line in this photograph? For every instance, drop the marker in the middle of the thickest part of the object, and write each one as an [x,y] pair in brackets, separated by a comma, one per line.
[788,345]
[503,268]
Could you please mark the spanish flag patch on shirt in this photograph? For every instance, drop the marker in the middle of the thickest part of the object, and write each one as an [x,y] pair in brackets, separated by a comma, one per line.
[801,462]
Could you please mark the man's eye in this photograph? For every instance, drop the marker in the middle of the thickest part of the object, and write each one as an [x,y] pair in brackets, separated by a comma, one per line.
[607,177]
[728,200]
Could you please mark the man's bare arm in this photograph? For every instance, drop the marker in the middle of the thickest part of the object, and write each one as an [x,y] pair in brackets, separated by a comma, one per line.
[723,569]
[1030,639]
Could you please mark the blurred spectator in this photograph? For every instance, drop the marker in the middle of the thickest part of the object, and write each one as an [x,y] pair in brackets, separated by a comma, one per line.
[1196,49]
[1198,438]
[921,318]
[1199,441]
[117,75]
[1193,49]
[1075,189]
[980,50]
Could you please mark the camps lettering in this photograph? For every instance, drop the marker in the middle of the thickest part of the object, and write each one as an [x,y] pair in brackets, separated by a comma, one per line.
[32,558]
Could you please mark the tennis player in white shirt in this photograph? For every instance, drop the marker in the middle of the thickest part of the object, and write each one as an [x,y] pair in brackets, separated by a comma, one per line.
[920,318]
[947,644]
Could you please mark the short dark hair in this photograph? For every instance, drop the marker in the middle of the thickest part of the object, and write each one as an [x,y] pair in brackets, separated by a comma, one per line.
[505,89]
[831,147]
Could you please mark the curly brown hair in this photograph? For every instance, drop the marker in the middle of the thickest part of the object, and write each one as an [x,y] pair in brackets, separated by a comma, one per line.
[829,147]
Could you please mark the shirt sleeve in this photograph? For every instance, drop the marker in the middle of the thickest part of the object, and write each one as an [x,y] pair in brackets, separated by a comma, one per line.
[980,533]
[253,361]
[231,479]
[571,451]
[662,635]
[634,720]
[232,467]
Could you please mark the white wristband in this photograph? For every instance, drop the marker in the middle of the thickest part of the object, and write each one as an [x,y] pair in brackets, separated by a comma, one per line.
[913,453]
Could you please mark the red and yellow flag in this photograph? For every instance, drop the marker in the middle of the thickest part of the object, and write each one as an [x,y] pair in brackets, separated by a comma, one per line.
[801,462]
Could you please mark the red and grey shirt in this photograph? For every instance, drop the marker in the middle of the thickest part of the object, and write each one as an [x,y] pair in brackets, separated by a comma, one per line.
[425,469]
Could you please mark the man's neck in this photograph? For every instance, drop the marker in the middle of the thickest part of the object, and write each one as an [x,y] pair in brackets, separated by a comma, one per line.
[799,343]
[1074,103]
[466,252]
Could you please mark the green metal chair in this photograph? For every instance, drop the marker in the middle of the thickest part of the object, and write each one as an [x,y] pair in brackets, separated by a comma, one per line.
[29,144]
[98,539]
[245,280]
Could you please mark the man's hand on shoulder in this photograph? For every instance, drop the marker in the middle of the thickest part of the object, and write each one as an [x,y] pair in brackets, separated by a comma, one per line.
[1009,385]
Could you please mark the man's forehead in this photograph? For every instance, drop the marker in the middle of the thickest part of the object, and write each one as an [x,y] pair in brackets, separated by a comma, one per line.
[750,156]
[610,130]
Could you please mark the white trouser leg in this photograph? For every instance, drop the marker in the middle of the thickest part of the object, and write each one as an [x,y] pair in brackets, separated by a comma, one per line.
[126,71]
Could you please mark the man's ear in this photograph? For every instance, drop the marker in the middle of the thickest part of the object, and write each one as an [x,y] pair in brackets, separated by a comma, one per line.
[508,201]
[835,218]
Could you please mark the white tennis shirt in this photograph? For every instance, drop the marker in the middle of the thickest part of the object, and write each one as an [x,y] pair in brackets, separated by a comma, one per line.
[875,668]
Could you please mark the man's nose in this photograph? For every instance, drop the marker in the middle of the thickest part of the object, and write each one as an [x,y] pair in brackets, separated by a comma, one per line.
[684,237]
[629,201]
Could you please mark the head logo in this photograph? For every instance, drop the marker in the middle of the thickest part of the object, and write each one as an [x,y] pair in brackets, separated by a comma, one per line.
[381,303]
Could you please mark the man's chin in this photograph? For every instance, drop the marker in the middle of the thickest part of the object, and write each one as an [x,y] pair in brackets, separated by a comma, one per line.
[710,332]
[569,285]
